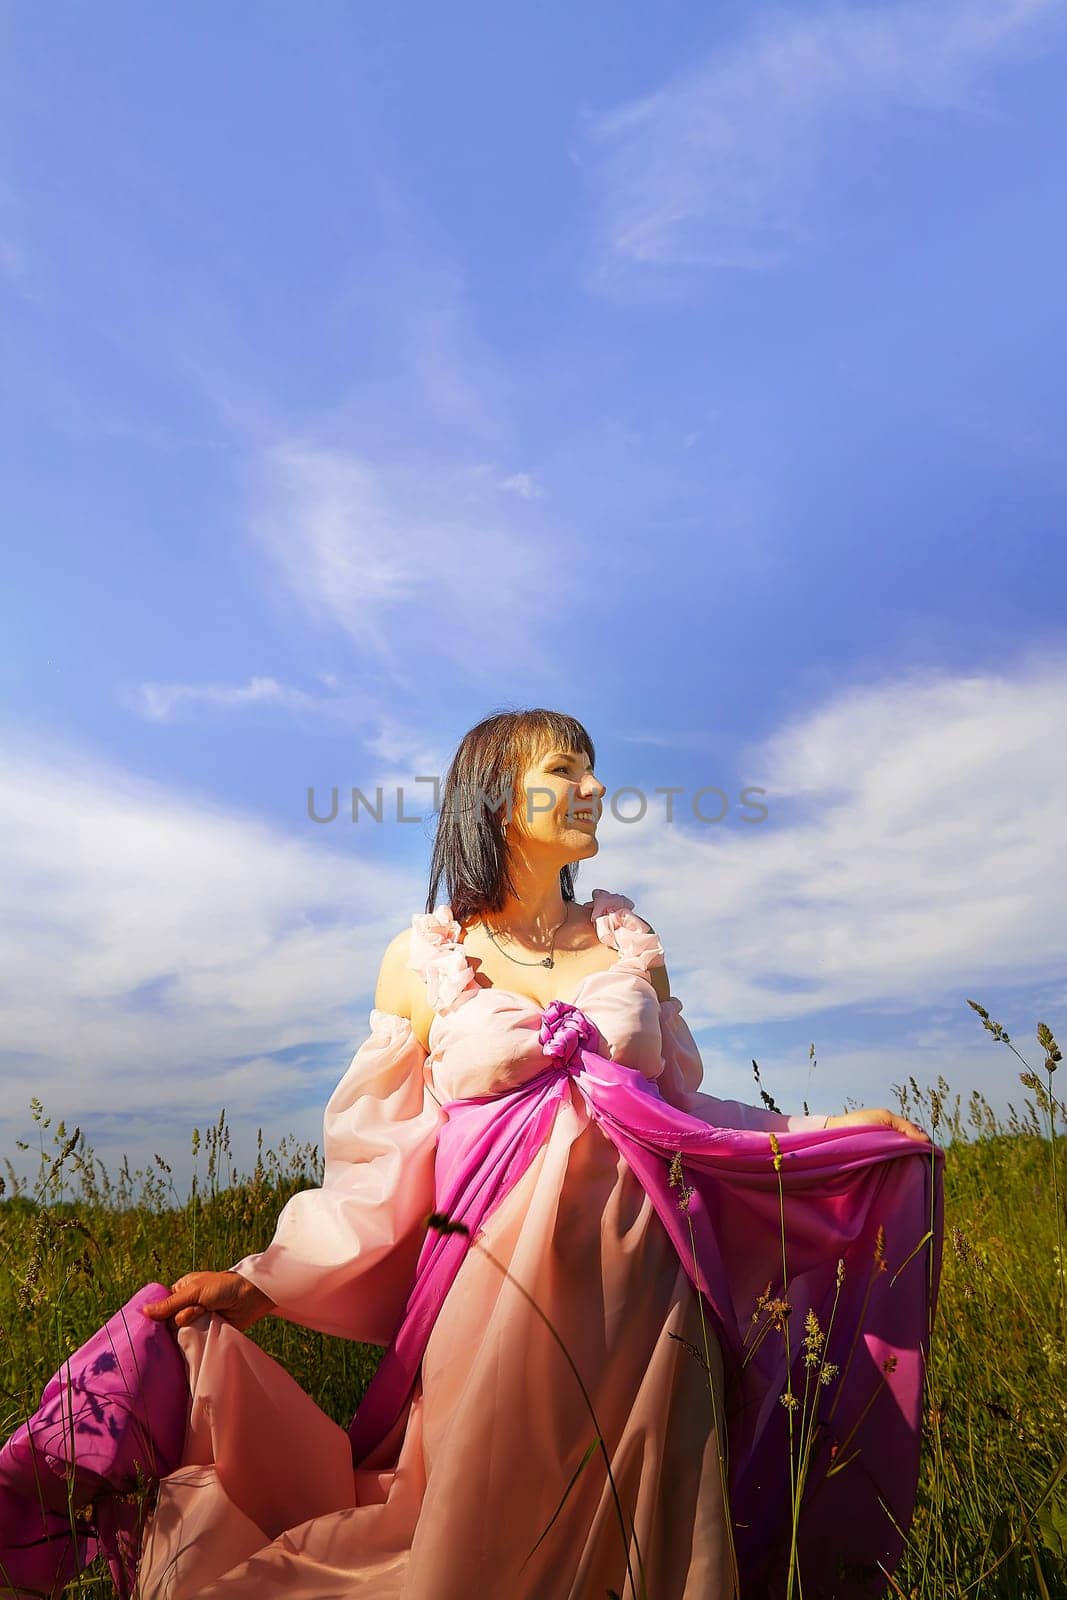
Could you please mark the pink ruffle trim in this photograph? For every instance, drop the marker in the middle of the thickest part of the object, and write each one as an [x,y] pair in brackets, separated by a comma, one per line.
[436,951]
[616,924]
[389,1027]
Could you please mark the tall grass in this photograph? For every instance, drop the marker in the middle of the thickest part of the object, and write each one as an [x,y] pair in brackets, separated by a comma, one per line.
[991,1514]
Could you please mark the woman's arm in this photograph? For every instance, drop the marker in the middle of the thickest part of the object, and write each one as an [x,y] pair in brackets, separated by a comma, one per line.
[343,1255]
[229,1295]
[683,1073]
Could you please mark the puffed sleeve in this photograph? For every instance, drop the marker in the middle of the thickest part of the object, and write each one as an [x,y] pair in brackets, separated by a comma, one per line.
[343,1256]
[683,1071]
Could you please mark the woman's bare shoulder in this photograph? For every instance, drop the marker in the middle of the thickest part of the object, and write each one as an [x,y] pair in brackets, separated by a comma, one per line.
[395,987]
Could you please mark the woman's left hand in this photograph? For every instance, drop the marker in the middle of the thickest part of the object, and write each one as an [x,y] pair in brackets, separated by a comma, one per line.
[878,1116]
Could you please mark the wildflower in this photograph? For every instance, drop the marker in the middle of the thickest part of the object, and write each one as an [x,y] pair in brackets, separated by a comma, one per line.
[790,1401]
[776,1148]
[778,1310]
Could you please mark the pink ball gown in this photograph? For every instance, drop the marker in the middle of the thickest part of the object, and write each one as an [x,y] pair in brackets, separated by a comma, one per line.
[600,1188]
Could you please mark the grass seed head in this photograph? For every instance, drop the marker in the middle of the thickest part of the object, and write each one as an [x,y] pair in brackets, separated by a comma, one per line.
[814,1339]
[879,1248]
[1050,1047]
[677,1181]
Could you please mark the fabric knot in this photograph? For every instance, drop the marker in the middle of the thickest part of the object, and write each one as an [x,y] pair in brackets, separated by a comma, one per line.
[564,1031]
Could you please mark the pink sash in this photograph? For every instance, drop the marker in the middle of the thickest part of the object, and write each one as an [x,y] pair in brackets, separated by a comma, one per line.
[73,1476]
[839,1187]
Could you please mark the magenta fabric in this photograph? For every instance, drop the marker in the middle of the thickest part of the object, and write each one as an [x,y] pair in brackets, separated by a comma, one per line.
[121,1399]
[131,1391]
[837,1186]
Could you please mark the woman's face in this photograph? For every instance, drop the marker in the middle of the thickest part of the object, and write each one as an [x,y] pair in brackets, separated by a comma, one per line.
[559,804]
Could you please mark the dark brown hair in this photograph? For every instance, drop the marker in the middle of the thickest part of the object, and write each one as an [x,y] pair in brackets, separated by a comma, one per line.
[480,791]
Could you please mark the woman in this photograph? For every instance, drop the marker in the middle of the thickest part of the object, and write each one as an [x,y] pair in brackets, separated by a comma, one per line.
[552,1367]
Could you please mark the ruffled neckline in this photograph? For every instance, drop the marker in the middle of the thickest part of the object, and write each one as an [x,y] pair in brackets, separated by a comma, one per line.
[437,953]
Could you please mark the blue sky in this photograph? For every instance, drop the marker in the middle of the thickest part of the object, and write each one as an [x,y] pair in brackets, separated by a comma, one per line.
[698,372]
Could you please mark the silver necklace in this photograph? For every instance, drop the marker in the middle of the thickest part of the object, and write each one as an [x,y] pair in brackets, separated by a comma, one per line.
[546,961]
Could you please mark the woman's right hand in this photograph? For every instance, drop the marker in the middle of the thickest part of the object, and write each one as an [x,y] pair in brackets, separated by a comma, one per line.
[232,1297]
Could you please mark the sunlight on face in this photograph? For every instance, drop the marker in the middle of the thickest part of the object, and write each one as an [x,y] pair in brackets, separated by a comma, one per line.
[560,803]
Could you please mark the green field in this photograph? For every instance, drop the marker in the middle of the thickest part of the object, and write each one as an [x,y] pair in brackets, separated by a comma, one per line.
[991,1518]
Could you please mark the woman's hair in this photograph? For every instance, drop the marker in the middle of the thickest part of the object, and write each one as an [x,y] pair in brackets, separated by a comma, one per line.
[481,791]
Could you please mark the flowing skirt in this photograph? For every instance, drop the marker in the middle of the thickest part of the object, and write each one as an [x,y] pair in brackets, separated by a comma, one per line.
[590,1310]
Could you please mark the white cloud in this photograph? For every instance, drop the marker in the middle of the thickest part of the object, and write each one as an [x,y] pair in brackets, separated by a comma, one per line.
[395,557]
[521,484]
[852,1072]
[158,951]
[459,379]
[915,853]
[164,702]
[481,480]
[368,519]
[407,748]
[163,955]
[719,166]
